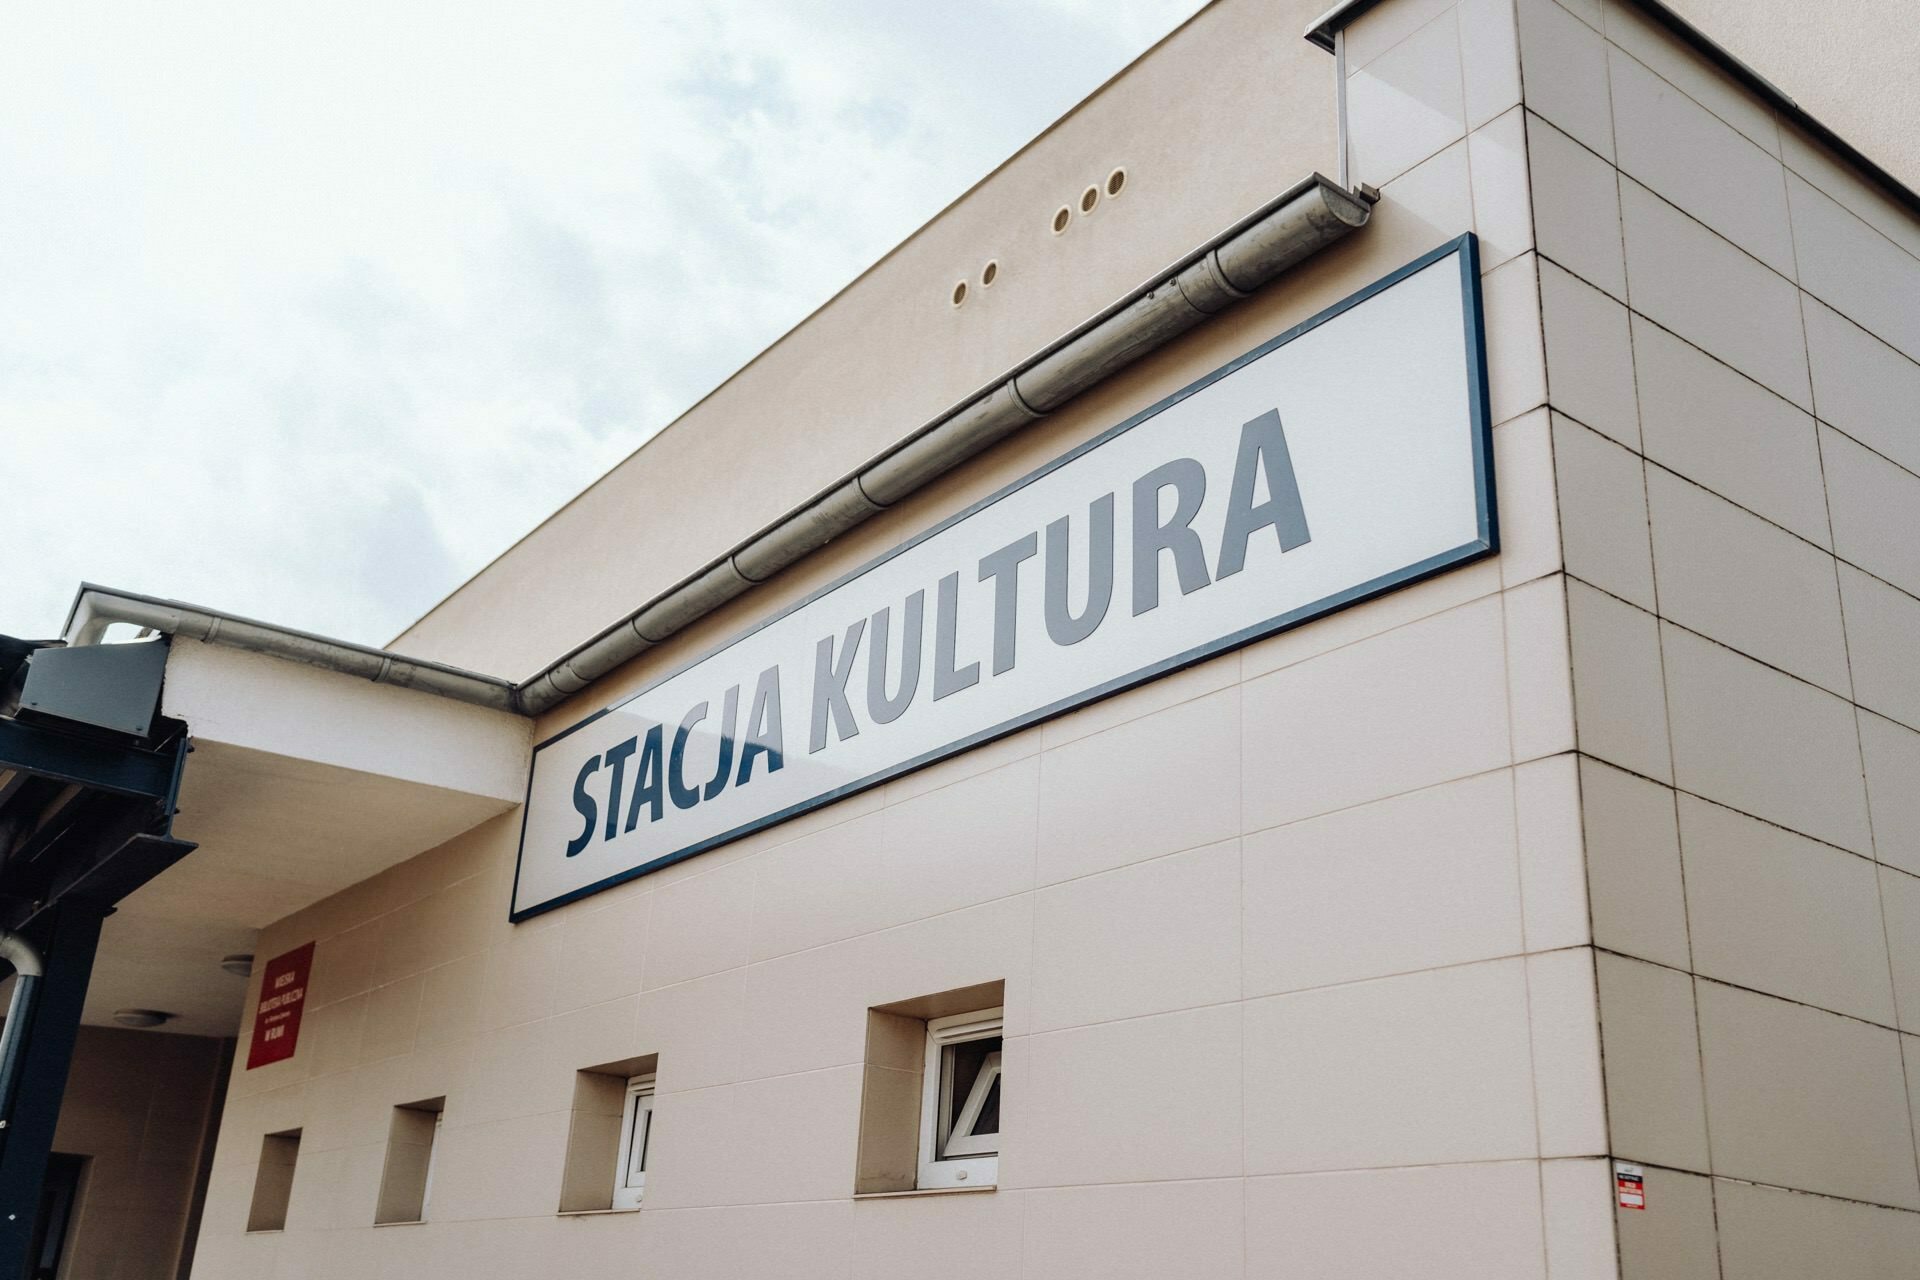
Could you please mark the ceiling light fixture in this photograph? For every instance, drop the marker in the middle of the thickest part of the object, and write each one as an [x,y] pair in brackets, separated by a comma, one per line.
[142,1017]
[240,966]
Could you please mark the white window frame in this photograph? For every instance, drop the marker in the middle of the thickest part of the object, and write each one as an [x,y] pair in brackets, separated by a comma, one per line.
[969,1160]
[433,1158]
[630,1184]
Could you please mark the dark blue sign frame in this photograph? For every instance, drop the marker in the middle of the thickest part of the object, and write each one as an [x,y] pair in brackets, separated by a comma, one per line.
[1485,544]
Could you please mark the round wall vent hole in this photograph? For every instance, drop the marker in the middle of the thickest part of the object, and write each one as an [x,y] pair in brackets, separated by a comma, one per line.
[1089,198]
[988,274]
[1061,219]
[1116,181]
[959,293]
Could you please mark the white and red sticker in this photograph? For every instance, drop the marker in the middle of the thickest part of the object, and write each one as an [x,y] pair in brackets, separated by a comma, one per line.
[1630,1185]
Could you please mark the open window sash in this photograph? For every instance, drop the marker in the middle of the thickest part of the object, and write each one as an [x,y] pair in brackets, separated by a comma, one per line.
[959,1120]
[963,1137]
[636,1128]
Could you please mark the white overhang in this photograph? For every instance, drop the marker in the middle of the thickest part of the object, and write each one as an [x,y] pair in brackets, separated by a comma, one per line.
[302,782]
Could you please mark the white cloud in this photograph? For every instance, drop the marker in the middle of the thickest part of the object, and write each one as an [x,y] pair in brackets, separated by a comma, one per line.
[307,312]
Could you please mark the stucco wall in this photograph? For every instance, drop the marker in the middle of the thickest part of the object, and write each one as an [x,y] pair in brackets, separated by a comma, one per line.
[1731,340]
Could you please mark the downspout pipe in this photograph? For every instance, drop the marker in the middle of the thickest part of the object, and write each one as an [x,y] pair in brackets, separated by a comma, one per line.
[28,972]
[1304,219]
[1307,217]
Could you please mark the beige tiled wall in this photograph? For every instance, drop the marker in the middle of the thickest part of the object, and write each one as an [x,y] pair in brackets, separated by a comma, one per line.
[1295,943]
[139,1105]
[1741,514]
[1310,952]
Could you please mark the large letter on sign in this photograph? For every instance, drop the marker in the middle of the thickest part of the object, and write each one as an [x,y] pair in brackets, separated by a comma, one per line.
[1262,444]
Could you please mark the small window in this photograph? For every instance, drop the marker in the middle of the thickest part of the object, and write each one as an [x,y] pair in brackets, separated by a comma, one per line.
[609,1136]
[960,1101]
[273,1182]
[406,1181]
[636,1126]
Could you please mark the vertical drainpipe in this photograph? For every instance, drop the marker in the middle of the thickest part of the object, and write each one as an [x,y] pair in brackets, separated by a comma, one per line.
[13,1037]
[1340,104]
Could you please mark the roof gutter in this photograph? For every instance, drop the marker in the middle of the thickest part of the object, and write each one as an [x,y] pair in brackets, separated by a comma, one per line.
[1301,221]
[96,608]
[1304,219]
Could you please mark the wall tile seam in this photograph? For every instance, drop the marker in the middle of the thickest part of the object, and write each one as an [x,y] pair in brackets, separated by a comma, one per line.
[1500,1161]
[1832,304]
[1581,18]
[1750,1182]
[1720,78]
[1718,643]
[1750,990]
[1527,262]
[1906,1068]
[1654,462]
[845,1066]
[1487,265]
[1859,735]
[1448,11]
[1042,751]
[1513,748]
[1847,209]
[918,920]
[1495,588]
[1393,975]
[1038,1034]
[1533,1056]
[1503,958]
[1044,1188]
[1710,230]
[1851,693]
[1397,795]
[1777,159]
[1026,892]
[1034,890]
[1612,47]
[1017,894]
[1746,377]
[362,921]
[1753,817]
[1878,341]
[1448,14]
[1857,707]
[1826,551]
[1005,1189]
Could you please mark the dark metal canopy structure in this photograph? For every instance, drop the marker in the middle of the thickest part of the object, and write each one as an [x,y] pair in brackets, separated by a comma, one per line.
[89,775]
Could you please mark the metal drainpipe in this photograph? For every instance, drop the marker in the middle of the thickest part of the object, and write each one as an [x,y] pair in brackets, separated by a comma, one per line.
[13,1036]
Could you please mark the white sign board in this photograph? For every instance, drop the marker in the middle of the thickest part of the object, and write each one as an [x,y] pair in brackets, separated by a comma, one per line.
[1344,458]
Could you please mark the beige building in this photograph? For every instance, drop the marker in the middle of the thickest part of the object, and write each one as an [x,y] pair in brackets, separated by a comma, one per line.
[1474,835]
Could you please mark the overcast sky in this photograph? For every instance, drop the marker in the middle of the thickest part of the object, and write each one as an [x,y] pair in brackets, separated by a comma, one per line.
[308,311]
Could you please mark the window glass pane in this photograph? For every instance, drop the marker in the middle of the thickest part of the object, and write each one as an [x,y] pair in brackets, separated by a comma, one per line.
[640,1122]
[989,1121]
[963,1063]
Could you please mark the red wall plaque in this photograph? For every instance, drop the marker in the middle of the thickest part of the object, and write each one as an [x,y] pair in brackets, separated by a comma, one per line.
[283,996]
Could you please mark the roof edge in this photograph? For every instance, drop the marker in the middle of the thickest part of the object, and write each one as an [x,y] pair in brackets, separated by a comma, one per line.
[96,607]
[1322,30]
